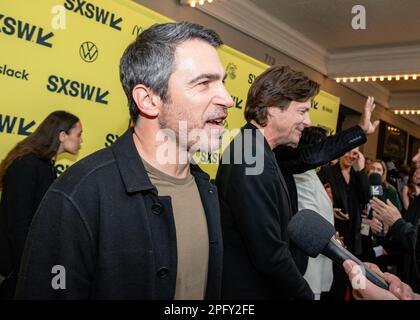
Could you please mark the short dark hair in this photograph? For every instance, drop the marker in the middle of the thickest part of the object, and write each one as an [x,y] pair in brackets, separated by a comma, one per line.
[149,60]
[277,87]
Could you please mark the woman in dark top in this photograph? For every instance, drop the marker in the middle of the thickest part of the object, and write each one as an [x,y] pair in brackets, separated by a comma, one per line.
[389,192]
[25,175]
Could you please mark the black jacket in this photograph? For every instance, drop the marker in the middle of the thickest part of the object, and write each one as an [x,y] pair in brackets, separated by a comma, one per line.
[406,235]
[255,213]
[25,183]
[103,221]
[298,160]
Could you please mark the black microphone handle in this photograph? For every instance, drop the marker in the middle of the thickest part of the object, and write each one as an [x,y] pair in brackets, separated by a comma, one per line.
[339,254]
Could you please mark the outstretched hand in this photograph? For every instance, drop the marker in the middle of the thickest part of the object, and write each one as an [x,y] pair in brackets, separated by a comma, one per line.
[366,123]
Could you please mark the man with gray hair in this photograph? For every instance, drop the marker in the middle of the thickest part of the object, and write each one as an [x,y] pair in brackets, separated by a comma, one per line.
[136,220]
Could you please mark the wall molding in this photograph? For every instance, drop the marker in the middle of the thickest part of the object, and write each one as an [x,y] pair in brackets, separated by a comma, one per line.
[404,100]
[246,17]
[374,89]
[375,61]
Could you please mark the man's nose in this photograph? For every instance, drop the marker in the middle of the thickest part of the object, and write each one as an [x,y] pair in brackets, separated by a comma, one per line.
[307,120]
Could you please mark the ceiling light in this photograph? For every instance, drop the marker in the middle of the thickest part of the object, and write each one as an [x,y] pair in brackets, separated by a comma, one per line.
[408,111]
[193,3]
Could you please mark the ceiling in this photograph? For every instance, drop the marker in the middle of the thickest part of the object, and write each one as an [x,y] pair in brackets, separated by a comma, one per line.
[328,22]
[319,33]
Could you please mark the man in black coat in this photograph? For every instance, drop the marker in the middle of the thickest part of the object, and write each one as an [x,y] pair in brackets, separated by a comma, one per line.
[136,221]
[295,160]
[255,203]
[259,260]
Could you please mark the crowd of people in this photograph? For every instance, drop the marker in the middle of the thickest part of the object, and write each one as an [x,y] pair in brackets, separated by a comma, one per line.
[124,223]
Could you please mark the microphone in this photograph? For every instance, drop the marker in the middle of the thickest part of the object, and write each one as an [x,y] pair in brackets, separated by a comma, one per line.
[375,180]
[314,235]
[376,189]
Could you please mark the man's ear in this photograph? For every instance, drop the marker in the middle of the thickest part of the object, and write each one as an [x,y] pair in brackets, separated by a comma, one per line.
[146,100]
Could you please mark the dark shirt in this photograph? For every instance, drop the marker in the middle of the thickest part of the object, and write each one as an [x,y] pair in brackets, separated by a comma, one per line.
[24,185]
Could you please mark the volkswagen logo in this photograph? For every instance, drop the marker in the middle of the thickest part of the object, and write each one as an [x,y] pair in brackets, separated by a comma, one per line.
[88,51]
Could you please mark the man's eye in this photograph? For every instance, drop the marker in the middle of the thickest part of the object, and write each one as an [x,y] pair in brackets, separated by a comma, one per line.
[204,83]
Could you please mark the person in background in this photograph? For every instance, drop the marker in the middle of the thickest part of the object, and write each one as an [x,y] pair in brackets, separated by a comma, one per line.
[410,191]
[403,176]
[350,189]
[403,232]
[25,175]
[389,192]
[312,195]
[385,254]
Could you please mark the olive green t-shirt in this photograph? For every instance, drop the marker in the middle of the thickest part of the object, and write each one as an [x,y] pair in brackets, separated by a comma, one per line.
[191,232]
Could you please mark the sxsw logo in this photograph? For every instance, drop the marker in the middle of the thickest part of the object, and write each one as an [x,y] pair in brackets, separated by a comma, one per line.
[92,11]
[75,89]
[25,31]
[15,125]
[237,102]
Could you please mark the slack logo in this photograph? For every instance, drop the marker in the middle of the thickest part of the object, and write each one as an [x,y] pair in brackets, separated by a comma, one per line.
[24,30]
[18,74]
[75,89]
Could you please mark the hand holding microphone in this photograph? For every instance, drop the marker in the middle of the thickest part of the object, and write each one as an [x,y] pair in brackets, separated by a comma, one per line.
[398,290]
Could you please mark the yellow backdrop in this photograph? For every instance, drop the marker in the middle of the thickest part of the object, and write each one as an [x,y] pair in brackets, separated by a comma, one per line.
[66,57]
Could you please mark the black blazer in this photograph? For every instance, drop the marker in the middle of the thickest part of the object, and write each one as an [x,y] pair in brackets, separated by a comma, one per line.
[24,185]
[255,211]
